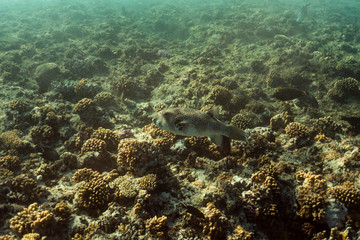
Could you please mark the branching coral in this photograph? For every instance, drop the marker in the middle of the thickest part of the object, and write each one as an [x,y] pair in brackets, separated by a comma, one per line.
[344,88]
[296,129]
[346,194]
[133,154]
[94,145]
[163,139]
[157,227]
[94,194]
[110,137]
[311,196]
[33,219]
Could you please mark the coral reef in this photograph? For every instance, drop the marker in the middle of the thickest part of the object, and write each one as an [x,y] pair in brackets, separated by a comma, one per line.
[243,120]
[157,227]
[80,158]
[108,136]
[295,129]
[134,154]
[33,219]
[346,194]
[280,121]
[311,196]
[327,127]
[344,89]
[93,195]
[94,145]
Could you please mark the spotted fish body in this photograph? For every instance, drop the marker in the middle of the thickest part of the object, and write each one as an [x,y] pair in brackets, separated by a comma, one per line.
[191,122]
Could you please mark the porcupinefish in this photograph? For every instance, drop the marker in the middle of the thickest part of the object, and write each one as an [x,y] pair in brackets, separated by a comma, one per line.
[192,122]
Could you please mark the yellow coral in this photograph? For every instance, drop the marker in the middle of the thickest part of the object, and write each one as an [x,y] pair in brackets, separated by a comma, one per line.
[296,129]
[157,226]
[94,145]
[346,194]
[32,220]
[110,137]
[147,182]
[94,195]
[83,105]
[133,153]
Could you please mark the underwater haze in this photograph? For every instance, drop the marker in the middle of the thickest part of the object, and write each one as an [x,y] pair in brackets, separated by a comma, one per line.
[203,119]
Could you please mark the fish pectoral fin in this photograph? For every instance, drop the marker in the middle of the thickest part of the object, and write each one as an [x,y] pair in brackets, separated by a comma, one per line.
[180,124]
[217,139]
[237,134]
[214,113]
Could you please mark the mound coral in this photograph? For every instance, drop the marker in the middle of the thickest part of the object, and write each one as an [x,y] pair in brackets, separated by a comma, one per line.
[157,227]
[124,85]
[295,129]
[10,162]
[94,145]
[26,189]
[346,194]
[43,134]
[93,195]
[163,139]
[327,127]
[344,89]
[147,182]
[220,95]
[104,99]
[243,120]
[311,196]
[63,212]
[134,154]
[280,121]
[108,136]
[33,219]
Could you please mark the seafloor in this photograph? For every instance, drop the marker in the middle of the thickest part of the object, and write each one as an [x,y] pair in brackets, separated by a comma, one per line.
[80,158]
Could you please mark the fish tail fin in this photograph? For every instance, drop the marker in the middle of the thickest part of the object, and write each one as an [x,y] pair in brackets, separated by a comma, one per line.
[237,134]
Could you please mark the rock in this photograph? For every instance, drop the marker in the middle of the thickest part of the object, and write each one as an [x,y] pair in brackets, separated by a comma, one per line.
[45,74]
